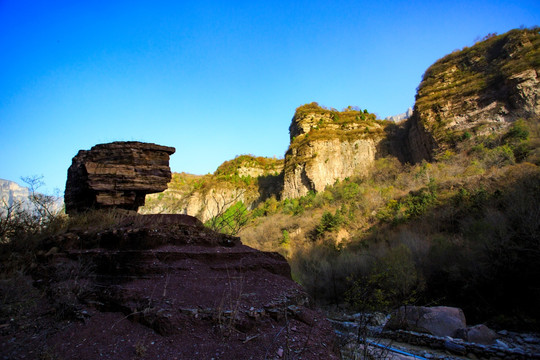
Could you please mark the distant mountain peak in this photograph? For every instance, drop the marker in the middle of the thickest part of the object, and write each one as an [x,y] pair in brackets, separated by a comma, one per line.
[400,117]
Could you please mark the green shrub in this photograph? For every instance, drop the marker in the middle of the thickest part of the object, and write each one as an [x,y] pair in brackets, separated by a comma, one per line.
[415,204]
[231,221]
[285,239]
[499,156]
[329,223]
[518,131]
[345,191]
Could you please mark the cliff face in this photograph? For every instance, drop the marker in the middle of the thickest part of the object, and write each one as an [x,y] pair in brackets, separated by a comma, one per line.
[203,197]
[327,145]
[246,179]
[322,162]
[476,91]
[213,201]
[249,166]
[11,192]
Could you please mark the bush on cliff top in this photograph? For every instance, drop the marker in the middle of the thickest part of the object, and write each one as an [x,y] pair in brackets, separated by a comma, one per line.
[231,167]
[348,115]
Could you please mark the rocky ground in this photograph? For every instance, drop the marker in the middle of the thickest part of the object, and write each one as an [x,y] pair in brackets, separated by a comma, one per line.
[174,290]
[399,344]
[165,287]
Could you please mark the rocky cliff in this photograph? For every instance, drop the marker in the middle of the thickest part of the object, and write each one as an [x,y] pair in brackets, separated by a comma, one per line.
[250,166]
[328,145]
[476,91]
[11,192]
[116,175]
[246,179]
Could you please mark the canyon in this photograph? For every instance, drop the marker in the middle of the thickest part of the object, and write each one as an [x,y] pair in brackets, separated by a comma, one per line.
[472,92]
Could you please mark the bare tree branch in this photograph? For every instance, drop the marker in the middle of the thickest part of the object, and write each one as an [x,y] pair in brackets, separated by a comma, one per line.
[227,218]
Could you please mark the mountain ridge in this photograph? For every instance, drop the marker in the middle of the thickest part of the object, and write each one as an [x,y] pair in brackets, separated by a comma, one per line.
[453,104]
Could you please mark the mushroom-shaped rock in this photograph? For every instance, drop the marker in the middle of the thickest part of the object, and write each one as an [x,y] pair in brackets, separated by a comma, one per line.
[116,175]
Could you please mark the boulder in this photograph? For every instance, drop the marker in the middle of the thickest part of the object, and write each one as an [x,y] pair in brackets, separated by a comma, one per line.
[479,334]
[116,175]
[438,320]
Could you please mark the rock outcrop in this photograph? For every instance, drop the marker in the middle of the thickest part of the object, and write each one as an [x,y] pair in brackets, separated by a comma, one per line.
[244,166]
[164,286]
[205,202]
[476,91]
[11,193]
[328,145]
[116,175]
[16,196]
[322,162]
[212,201]
[246,179]
[479,334]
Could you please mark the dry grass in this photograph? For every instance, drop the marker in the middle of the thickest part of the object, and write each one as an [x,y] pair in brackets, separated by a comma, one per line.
[266,233]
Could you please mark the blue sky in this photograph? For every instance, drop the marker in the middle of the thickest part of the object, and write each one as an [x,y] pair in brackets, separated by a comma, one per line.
[214,79]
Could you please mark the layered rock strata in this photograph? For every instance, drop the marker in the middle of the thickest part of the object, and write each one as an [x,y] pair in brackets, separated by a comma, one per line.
[321,163]
[116,175]
[326,146]
[175,289]
[476,91]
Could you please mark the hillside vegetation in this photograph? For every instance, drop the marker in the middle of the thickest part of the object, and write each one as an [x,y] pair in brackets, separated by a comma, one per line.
[443,209]
[240,183]
[462,231]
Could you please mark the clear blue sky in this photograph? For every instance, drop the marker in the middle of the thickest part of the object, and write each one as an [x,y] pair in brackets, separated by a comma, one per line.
[214,79]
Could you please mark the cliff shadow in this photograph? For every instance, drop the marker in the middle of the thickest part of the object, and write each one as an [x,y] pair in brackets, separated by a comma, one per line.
[395,142]
[270,185]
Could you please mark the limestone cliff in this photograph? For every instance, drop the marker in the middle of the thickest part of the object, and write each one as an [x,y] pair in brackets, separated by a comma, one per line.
[250,166]
[328,145]
[204,203]
[476,91]
[11,192]
[246,179]
[14,195]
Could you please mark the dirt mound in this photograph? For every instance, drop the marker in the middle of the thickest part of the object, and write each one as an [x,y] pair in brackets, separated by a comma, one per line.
[174,290]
